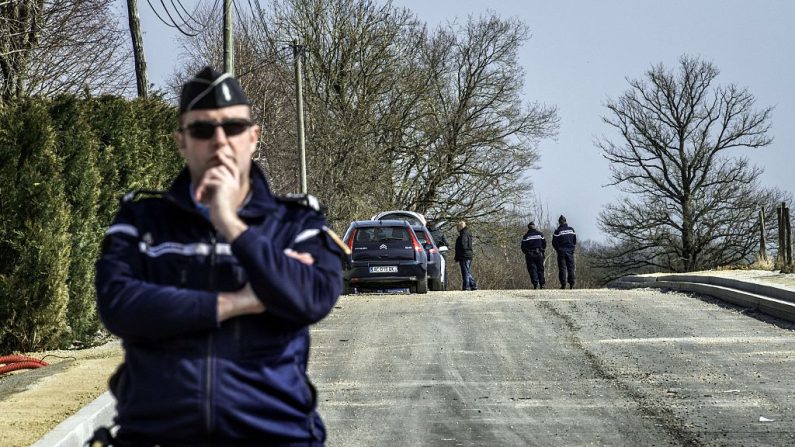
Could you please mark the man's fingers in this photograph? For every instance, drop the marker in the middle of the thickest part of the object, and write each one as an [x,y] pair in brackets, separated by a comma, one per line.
[215,178]
[228,163]
[207,188]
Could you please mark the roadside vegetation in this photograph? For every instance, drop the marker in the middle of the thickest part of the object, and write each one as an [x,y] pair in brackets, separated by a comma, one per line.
[65,162]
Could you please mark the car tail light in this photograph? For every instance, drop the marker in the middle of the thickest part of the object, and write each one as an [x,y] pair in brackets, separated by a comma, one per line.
[417,247]
[350,240]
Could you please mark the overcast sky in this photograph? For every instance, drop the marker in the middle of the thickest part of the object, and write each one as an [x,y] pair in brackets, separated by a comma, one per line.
[579,56]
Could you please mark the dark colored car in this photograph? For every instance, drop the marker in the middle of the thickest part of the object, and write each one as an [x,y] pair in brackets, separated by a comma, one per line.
[437,279]
[384,254]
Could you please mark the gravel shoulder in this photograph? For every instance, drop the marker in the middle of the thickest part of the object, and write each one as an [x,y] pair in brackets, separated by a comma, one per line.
[33,402]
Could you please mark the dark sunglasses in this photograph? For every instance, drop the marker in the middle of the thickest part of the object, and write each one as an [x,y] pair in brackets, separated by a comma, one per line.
[204,130]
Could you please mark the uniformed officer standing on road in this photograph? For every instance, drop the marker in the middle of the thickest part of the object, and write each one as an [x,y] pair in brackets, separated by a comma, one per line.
[564,240]
[211,286]
[534,247]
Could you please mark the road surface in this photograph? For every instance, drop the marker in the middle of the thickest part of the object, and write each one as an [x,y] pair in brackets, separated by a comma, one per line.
[552,367]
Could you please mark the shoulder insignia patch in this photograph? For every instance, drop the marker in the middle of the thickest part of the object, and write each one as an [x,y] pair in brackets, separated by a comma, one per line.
[306,200]
[337,240]
[134,196]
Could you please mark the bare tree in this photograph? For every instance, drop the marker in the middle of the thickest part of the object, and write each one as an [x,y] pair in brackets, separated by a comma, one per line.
[49,47]
[20,30]
[355,60]
[477,135]
[397,116]
[693,203]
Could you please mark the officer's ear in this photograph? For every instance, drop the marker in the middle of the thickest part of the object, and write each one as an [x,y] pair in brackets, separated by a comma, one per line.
[255,133]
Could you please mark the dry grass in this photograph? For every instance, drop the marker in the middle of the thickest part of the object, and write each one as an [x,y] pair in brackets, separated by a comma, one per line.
[788,268]
[759,264]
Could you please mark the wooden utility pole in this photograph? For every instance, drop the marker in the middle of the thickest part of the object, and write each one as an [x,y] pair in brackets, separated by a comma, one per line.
[298,55]
[787,236]
[780,251]
[762,238]
[229,39]
[784,258]
[138,49]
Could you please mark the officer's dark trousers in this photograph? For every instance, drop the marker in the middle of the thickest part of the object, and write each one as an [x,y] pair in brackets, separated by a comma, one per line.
[566,267]
[466,275]
[535,267]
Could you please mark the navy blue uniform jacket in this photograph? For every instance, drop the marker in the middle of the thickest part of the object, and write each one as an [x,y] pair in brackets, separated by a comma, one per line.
[188,379]
[564,239]
[533,243]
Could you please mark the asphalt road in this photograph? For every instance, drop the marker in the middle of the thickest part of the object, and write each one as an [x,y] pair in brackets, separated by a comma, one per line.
[550,368]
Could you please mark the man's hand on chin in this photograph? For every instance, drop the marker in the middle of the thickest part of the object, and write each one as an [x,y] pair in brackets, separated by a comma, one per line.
[221,191]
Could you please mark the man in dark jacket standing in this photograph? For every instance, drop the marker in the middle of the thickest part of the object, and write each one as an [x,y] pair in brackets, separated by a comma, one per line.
[464,255]
[564,240]
[212,286]
[534,246]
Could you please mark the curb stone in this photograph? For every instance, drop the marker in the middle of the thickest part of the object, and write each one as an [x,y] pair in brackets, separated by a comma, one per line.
[74,431]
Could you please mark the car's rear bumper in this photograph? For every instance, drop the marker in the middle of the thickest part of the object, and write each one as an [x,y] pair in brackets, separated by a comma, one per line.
[359,273]
[383,280]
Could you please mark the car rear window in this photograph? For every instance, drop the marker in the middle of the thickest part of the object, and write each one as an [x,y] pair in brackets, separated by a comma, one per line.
[383,244]
[401,216]
[382,234]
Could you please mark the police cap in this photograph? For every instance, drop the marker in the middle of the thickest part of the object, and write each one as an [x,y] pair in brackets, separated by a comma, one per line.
[210,89]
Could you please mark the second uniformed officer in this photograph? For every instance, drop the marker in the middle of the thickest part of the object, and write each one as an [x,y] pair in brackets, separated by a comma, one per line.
[534,247]
[211,286]
[564,240]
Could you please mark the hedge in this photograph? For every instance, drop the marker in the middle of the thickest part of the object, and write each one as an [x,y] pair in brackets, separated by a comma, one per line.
[64,164]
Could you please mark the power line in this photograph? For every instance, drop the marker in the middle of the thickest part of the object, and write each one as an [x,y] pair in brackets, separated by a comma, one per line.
[181,17]
[184,24]
[190,16]
[165,8]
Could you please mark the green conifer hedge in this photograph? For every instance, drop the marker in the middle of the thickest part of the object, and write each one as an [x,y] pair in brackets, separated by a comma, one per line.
[64,164]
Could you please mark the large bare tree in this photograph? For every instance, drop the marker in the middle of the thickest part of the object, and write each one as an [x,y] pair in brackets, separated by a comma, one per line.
[356,58]
[692,199]
[477,134]
[397,116]
[49,47]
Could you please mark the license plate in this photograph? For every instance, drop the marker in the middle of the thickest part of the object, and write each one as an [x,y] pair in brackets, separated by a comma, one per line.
[384,269]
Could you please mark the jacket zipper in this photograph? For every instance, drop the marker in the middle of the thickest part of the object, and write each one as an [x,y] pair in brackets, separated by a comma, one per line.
[208,416]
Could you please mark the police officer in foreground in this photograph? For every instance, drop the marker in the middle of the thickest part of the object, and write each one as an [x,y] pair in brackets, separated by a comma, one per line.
[564,241]
[211,286]
[534,247]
